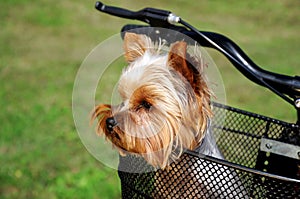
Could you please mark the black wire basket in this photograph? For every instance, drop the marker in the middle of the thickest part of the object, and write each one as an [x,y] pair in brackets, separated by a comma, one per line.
[261,161]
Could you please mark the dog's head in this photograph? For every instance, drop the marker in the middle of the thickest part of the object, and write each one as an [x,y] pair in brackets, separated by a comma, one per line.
[165,102]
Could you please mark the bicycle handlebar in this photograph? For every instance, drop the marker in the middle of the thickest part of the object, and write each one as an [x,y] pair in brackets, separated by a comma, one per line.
[152,16]
[242,62]
[286,87]
[119,12]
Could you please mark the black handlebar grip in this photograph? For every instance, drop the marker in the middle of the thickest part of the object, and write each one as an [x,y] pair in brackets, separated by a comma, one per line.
[152,16]
[119,12]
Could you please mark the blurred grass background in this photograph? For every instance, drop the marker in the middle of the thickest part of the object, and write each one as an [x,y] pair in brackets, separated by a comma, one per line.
[43,43]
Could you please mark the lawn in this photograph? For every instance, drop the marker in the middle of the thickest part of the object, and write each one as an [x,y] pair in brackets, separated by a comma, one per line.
[42,45]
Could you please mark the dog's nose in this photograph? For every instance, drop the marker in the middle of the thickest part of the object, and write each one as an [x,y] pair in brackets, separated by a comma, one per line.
[110,123]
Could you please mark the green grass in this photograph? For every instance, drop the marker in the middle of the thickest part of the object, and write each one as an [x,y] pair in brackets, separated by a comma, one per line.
[43,43]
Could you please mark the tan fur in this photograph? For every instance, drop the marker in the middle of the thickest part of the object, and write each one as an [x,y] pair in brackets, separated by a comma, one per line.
[166,102]
[134,46]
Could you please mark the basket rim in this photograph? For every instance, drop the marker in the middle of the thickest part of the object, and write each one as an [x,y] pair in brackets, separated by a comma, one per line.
[255,115]
[240,167]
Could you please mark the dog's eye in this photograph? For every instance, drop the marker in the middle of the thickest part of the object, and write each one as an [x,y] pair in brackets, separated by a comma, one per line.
[145,105]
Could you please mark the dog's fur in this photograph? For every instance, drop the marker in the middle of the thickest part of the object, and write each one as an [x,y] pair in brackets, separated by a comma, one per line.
[166,102]
[165,107]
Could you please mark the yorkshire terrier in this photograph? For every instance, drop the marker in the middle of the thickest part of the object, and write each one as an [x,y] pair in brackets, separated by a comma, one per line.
[166,103]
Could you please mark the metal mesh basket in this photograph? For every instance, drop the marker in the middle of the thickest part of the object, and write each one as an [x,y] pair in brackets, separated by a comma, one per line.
[256,164]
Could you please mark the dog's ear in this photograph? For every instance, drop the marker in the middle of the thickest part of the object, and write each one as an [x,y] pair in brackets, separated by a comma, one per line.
[178,60]
[135,45]
[189,67]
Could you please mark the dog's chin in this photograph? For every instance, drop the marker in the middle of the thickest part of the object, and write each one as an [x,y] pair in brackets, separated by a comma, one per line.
[115,138]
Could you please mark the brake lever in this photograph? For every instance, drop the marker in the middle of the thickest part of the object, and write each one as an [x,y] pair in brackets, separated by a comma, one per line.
[153,16]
